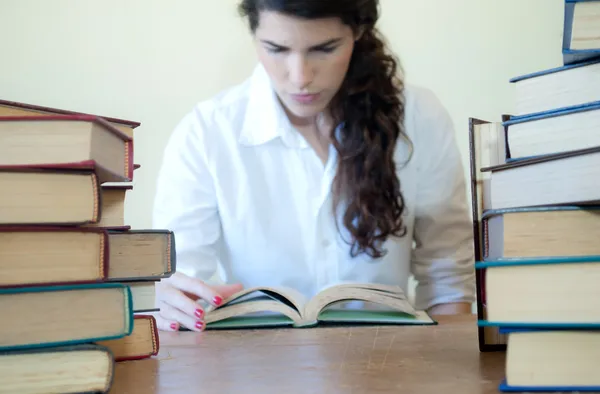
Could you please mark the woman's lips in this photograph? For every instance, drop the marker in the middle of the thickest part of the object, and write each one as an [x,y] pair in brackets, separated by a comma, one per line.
[305,98]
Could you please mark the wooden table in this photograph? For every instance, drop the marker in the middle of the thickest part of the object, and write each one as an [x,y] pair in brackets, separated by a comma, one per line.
[391,359]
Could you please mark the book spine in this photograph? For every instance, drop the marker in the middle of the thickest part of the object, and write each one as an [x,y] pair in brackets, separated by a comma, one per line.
[129,167]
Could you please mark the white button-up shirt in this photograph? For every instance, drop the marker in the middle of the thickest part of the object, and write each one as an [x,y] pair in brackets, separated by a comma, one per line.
[248,198]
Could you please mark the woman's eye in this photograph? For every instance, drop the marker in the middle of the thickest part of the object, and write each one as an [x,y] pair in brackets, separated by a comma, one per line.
[327,49]
[275,50]
[282,50]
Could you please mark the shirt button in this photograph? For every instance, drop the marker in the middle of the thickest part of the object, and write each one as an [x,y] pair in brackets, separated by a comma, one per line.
[326,243]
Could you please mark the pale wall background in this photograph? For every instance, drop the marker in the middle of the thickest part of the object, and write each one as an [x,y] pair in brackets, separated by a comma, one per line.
[152,60]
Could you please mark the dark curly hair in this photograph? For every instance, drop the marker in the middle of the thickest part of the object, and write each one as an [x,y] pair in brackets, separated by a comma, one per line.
[370,108]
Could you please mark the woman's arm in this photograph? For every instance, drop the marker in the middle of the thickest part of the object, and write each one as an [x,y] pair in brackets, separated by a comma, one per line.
[185,200]
[186,203]
[443,260]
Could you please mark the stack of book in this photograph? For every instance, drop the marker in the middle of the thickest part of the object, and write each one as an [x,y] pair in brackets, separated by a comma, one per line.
[535,182]
[75,279]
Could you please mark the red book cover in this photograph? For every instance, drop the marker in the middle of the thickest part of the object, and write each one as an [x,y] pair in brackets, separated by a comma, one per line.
[126,175]
[62,169]
[124,349]
[44,109]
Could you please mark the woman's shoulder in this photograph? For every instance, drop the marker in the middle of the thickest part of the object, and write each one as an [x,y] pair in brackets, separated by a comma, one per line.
[427,123]
[423,109]
[426,119]
[220,114]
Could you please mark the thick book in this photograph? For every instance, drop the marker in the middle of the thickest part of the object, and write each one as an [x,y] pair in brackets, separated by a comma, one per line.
[15,108]
[49,197]
[113,206]
[559,87]
[141,255]
[143,342]
[76,369]
[67,140]
[37,255]
[581,31]
[60,197]
[341,303]
[552,360]
[547,231]
[487,147]
[34,256]
[556,131]
[560,178]
[64,315]
[542,292]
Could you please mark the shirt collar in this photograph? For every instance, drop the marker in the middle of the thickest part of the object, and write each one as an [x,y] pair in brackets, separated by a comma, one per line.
[265,118]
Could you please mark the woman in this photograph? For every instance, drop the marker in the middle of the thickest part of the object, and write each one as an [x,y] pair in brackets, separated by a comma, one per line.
[321,167]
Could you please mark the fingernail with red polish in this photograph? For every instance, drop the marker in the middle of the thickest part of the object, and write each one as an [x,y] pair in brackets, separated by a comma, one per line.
[217,300]
[173,326]
[199,325]
[199,313]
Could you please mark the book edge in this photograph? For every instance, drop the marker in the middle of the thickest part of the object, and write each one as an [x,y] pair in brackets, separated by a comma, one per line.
[35,107]
[553,70]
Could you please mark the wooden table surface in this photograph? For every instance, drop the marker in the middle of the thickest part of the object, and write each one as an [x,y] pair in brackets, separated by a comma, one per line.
[390,359]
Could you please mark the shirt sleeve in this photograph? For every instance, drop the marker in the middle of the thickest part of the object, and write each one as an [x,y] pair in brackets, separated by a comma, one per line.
[443,257]
[185,200]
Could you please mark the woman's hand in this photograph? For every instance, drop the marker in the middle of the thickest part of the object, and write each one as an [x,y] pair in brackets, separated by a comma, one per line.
[177,298]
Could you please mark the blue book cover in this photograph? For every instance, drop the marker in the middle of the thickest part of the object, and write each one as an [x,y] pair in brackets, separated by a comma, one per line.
[539,325]
[591,106]
[574,56]
[523,329]
[506,388]
[508,262]
[553,70]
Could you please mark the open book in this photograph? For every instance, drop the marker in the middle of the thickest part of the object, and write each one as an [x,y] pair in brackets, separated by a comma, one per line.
[339,303]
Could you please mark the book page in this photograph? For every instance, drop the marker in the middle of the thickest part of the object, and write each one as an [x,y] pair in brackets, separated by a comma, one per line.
[360,297]
[390,290]
[287,296]
[252,312]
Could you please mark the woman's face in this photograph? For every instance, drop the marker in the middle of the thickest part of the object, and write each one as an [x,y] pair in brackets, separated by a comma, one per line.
[307,60]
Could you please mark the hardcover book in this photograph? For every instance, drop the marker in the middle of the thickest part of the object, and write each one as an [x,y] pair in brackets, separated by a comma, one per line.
[81,369]
[487,146]
[555,131]
[71,141]
[38,255]
[542,292]
[52,196]
[143,342]
[549,231]
[269,307]
[559,87]
[581,33]
[552,179]
[64,315]
[553,359]
[15,108]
